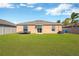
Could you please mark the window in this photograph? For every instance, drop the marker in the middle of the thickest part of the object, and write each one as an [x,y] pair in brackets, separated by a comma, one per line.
[53,28]
[39,28]
[26,28]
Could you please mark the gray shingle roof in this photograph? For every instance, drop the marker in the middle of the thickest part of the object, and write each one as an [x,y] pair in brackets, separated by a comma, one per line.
[39,22]
[4,22]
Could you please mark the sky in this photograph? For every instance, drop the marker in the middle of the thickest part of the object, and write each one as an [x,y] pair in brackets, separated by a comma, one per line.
[23,12]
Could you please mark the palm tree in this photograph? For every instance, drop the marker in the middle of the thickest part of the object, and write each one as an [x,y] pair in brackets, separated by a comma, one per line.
[75,21]
[74,16]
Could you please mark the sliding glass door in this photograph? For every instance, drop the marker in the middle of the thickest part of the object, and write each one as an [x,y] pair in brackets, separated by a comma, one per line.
[39,28]
[26,28]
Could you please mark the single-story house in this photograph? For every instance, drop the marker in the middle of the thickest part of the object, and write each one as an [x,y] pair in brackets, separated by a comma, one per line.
[7,27]
[39,26]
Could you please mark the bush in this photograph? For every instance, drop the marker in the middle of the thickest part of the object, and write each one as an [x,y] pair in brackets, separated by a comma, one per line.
[60,32]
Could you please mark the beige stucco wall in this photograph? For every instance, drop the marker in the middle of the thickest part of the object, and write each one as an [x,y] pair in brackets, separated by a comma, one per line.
[32,29]
[45,29]
[58,28]
[19,29]
[48,29]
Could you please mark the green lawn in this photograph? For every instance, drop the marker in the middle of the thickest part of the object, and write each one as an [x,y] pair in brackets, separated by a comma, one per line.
[39,45]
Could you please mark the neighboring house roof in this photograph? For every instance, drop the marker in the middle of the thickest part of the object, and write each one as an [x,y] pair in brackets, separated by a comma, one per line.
[6,23]
[39,22]
[71,25]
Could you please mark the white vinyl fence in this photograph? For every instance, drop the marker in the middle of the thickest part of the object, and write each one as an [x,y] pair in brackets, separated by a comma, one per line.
[7,30]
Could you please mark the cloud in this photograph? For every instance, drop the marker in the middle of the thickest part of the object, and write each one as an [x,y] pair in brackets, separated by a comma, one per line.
[68,12]
[75,10]
[6,5]
[38,8]
[61,9]
[29,5]
[21,4]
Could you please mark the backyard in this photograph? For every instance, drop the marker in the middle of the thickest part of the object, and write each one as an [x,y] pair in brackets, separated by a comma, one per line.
[39,45]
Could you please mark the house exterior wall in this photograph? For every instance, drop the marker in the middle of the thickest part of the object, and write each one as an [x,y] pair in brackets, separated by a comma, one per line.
[58,28]
[45,29]
[32,29]
[19,29]
[7,30]
[48,29]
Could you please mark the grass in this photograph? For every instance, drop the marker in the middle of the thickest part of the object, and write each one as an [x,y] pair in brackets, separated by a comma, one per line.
[39,45]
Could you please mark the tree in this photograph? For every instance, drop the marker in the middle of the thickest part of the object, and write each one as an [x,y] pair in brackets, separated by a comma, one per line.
[74,16]
[58,21]
[67,21]
[72,20]
[75,21]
